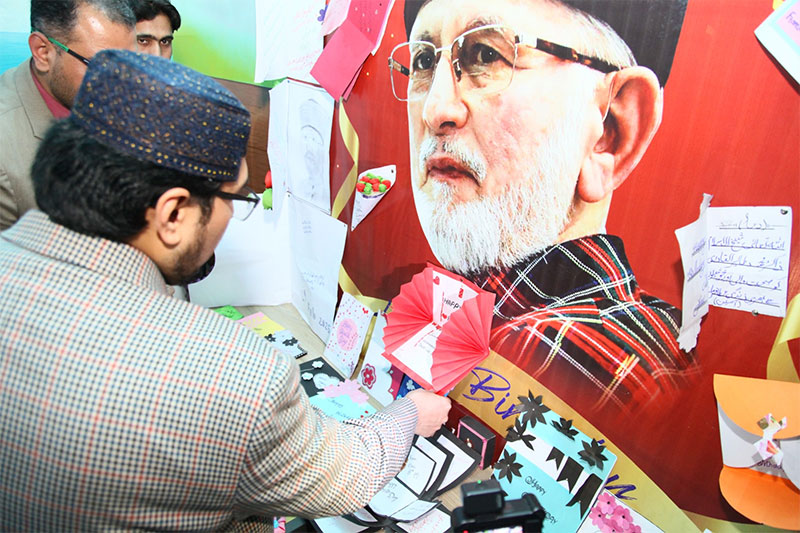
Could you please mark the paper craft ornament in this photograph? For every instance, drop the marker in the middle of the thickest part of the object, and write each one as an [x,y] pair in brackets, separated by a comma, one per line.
[438,329]
[764,490]
[371,187]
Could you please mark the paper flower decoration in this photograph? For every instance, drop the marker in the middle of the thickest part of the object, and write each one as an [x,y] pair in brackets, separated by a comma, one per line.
[517,432]
[592,453]
[507,467]
[532,409]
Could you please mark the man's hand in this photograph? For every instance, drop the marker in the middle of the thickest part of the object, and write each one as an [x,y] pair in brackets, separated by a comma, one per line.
[432,411]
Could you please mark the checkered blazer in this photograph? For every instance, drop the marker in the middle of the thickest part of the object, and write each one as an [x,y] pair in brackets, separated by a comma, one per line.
[124,408]
[574,317]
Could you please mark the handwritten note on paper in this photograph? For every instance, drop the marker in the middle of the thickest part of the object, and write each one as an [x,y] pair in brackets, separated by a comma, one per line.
[748,258]
[417,472]
[735,258]
[693,244]
[288,39]
[391,498]
[317,242]
[436,521]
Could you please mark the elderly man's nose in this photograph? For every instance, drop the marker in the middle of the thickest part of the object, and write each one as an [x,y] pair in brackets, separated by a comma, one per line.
[444,108]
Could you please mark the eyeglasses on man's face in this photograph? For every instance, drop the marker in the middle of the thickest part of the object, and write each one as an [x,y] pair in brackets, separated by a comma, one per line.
[68,50]
[243,204]
[483,61]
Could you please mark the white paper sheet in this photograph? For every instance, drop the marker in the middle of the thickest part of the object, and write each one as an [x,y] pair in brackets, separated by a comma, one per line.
[298,148]
[391,498]
[310,120]
[335,13]
[736,258]
[433,451]
[417,472]
[251,264]
[461,463]
[337,524]
[317,243]
[692,242]
[288,38]
[271,259]
[278,141]
[748,258]
[436,521]
[414,511]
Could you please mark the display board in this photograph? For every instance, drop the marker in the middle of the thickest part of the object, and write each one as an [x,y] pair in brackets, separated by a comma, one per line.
[729,128]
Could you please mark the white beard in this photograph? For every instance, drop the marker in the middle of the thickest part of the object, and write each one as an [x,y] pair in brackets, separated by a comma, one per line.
[506,228]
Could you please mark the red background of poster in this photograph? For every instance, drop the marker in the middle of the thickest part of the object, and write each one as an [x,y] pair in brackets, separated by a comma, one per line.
[730,128]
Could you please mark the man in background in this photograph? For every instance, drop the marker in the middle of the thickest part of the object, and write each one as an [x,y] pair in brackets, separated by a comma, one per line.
[65,35]
[124,408]
[156,22]
[524,117]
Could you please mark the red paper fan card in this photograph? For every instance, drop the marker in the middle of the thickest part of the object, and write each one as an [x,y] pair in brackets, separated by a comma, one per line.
[438,328]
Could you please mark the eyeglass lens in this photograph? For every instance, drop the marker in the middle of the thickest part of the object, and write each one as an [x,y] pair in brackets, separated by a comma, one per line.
[242,208]
[483,60]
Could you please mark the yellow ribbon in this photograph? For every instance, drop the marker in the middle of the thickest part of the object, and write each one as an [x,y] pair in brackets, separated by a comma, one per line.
[651,501]
[351,142]
[779,364]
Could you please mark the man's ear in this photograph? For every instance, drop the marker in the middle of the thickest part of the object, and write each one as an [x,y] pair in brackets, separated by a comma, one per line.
[41,50]
[170,217]
[634,108]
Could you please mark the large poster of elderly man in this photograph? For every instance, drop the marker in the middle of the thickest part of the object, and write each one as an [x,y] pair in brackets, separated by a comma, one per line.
[553,148]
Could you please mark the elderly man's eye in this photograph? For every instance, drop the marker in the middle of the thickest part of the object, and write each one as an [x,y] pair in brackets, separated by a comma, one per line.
[423,61]
[481,54]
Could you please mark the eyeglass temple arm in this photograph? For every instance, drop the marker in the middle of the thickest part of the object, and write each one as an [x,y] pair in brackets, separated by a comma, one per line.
[568,54]
[394,65]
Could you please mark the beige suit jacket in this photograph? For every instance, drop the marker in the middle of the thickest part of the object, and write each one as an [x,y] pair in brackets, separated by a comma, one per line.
[24,119]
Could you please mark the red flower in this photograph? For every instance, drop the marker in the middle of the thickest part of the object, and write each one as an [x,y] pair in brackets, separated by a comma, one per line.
[368,376]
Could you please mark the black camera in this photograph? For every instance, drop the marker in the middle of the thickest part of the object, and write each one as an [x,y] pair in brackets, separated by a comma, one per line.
[484,508]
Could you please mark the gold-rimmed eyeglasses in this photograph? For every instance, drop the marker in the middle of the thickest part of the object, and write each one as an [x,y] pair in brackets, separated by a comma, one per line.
[483,60]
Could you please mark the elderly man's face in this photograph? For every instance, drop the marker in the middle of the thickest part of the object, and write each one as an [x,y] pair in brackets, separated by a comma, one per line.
[92,33]
[494,175]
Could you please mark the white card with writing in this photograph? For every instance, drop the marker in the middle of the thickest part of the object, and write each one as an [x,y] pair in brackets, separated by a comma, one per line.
[347,335]
[417,472]
[436,521]
[391,498]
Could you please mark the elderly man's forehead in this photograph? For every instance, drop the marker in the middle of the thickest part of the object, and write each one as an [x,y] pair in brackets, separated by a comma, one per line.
[445,19]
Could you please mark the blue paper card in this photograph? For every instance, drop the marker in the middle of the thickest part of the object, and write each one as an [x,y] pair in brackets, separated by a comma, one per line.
[565,470]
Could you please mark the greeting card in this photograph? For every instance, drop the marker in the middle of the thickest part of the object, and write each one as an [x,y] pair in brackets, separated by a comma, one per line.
[347,335]
[438,328]
[377,374]
[549,458]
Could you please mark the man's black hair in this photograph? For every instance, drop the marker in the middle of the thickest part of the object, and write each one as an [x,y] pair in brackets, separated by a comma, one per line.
[93,189]
[150,9]
[57,18]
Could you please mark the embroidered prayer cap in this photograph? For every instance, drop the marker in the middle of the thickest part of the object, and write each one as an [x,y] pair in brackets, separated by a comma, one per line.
[160,111]
[650,28]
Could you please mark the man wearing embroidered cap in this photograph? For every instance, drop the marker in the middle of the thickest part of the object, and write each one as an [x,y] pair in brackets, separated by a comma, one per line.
[524,116]
[124,408]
